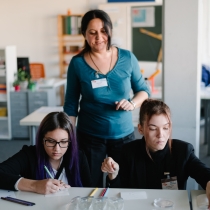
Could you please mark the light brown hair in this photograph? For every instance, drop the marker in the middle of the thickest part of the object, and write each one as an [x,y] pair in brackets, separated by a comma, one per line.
[152,107]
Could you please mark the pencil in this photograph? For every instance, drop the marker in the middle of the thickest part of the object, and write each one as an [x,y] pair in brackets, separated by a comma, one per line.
[46,169]
[93,192]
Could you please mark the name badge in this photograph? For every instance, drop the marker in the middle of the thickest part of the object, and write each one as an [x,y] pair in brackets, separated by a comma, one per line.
[169,183]
[99,83]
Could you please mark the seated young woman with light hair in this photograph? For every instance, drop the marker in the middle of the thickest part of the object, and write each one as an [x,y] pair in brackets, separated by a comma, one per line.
[156,161]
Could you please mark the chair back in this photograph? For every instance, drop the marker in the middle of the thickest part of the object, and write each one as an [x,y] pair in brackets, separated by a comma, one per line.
[37,71]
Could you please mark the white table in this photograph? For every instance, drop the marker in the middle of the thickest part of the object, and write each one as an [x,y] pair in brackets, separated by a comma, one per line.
[179,197]
[34,119]
[194,194]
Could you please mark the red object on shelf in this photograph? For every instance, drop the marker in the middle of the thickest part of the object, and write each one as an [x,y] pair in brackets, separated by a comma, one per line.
[17,88]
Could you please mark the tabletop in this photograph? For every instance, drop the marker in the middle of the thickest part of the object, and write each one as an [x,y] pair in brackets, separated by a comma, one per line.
[179,197]
[35,118]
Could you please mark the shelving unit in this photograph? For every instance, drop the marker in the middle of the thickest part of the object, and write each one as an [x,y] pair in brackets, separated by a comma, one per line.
[8,66]
[70,39]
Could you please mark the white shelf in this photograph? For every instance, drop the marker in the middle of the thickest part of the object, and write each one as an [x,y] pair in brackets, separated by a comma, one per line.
[7,74]
[2,72]
[3,118]
[3,97]
[2,66]
[4,136]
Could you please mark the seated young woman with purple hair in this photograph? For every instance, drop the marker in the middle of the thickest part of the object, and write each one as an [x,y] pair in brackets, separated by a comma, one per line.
[56,150]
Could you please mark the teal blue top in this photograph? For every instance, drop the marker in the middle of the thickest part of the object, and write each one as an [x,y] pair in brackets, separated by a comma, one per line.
[97,115]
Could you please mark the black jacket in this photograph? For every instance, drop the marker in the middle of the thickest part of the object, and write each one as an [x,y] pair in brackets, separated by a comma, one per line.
[138,170]
[23,164]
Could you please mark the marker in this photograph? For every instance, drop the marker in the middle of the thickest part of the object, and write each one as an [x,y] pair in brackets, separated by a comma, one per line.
[15,200]
[107,190]
[93,192]
[103,191]
[46,169]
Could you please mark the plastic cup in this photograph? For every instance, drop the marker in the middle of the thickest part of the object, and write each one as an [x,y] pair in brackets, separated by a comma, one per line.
[163,203]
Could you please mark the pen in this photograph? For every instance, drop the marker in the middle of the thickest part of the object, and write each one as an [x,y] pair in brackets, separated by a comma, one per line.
[107,190]
[93,192]
[14,200]
[20,200]
[46,169]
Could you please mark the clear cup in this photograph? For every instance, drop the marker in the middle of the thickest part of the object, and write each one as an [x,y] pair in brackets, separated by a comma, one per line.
[116,203]
[100,203]
[163,203]
[85,203]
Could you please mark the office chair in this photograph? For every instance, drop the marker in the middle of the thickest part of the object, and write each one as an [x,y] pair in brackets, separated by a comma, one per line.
[37,71]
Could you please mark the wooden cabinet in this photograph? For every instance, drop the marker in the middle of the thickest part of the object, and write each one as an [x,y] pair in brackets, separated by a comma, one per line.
[70,39]
[8,66]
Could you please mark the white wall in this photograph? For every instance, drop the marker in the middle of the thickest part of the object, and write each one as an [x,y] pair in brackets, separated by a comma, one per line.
[31,25]
[182,67]
[206,32]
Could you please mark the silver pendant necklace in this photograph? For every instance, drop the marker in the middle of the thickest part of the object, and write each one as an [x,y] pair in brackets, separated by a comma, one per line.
[97,72]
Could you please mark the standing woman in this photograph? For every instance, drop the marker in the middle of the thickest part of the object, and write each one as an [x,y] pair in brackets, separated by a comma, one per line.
[103,75]
[56,149]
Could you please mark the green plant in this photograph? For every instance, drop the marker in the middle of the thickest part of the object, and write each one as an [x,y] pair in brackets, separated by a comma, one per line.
[21,76]
[16,83]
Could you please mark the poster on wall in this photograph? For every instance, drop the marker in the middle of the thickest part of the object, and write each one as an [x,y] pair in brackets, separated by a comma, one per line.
[130,1]
[143,17]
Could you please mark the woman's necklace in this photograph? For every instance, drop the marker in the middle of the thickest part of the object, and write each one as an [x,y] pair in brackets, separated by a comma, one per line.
[96,74]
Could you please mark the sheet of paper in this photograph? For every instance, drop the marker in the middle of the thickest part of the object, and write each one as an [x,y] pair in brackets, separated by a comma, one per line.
[60,193]
[133,195]
[7,193]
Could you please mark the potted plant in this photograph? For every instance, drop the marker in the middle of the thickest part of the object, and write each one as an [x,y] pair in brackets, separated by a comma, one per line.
[21,78]
[16,85]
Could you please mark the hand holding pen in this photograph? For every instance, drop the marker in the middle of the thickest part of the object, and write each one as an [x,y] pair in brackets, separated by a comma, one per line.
[111,167]
[59,185]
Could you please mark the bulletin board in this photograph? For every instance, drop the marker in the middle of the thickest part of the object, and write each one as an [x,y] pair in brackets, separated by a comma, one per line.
[144,47]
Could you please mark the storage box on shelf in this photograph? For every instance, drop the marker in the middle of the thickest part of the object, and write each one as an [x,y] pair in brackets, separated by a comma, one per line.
[70,39]
[8,66]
